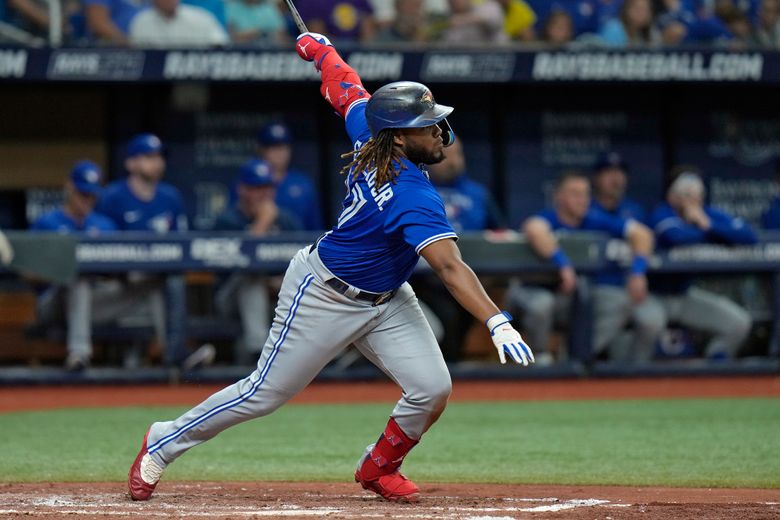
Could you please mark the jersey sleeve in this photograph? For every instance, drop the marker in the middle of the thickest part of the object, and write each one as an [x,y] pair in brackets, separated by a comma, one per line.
[179,216]
[43,223]
[670,230]
[771,218]
[421,220]
[728,229]
[356,123]
[617,227]
[108,205]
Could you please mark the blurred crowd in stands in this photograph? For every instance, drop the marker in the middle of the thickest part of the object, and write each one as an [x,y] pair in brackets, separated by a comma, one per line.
[733,24]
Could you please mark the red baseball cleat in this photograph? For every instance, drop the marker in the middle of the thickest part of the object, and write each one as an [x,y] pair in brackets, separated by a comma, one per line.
[144,474]
[394,487]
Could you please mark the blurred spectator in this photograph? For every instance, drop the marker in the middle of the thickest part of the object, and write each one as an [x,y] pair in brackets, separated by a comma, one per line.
[294,189]
[339,19]
[215,7]
[470,207]
[410,23]
[475,23]
[108,21]
[558,29]
[29,15]
[680,22]
[618,297]
[737,23]
[610,179]
[766,32]
[771,218]
[171,24]
[142,202]
[684,219]
[519,20]
[586,15]
[247,294]
[633,27]
[256,21]
[76,216]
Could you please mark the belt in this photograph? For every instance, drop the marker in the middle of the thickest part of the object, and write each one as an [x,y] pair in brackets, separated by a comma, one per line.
[348,291]
[375,298]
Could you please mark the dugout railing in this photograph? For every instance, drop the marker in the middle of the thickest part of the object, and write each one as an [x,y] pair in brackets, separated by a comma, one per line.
[495,254]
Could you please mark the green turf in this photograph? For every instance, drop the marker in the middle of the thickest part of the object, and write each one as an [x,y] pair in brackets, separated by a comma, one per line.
[718,443]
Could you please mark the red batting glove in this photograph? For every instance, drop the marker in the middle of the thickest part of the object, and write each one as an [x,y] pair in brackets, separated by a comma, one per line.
[312,47]
[341,85]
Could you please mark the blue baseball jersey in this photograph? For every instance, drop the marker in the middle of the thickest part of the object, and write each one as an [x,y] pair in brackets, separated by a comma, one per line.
[671,230]
[627,209]
[59,221]
[595,220]
[771,217]
[233,219]
[163,213]
[381,231]
[297,195]
[469,205]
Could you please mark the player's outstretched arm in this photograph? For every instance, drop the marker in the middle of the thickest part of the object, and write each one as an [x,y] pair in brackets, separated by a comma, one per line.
[444,258]
[341,85]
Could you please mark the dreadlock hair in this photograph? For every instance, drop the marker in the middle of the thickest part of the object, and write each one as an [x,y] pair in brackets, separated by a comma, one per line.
[379,152]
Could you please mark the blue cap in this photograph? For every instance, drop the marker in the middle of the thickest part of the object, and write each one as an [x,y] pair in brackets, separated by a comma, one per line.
[274,134]
[256,173]
[610,160]
[85,176]
[143,144]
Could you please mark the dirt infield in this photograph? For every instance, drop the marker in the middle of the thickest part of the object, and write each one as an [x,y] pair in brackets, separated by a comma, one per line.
[446,501]
[234,500]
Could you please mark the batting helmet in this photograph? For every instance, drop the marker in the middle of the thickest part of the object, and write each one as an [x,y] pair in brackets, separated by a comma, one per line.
[406,104]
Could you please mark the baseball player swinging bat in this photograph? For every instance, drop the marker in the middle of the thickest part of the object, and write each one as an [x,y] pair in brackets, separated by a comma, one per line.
[392,216]
[296,17]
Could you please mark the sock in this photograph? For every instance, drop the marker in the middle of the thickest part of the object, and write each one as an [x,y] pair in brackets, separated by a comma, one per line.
[388,452]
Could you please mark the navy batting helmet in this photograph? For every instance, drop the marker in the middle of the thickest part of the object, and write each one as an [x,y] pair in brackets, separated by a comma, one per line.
[406,104]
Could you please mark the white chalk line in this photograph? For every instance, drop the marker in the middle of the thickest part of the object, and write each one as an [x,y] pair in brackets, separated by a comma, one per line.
[107,504]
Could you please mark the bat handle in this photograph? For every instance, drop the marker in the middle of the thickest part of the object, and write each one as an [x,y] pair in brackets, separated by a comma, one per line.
[296,17]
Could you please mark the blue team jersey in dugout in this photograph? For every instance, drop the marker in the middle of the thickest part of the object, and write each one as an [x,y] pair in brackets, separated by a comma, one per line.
[595,220]
[297,195]
[379,235]
[60,222]
[627,209]
[163,213]
[468,205]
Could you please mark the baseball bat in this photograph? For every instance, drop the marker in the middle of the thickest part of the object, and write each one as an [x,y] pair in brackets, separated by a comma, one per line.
[296,16]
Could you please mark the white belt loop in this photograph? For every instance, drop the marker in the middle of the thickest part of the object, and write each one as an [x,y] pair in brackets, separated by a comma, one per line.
[351,292]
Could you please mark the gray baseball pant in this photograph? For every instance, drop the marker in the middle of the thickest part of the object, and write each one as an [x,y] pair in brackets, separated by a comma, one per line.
[248,296]
[313,323]
[87,302]
[728,323]
[613,310]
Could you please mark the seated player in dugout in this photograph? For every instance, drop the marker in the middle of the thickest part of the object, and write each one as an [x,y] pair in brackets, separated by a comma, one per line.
[350,287]
[618,296]
[685,219]
[610,182]
[144,202]
[76,215]
[243,293]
